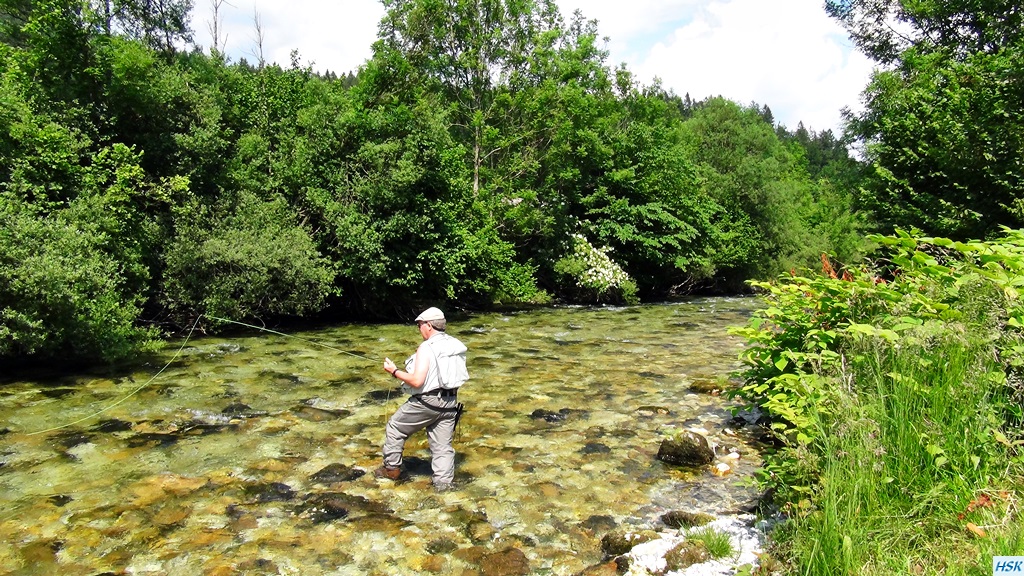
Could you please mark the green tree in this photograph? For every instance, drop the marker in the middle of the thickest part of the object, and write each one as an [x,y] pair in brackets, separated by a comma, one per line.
[886,29]
[649,205]
[943,125]
[162,25]
[75,274]
[946,138]
[762,186]
[464,50]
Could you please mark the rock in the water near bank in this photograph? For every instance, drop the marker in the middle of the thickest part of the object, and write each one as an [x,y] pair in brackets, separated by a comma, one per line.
[511,562]
[706,386]
[686,554]
[336,473]
[616,543]
[599,523]
[605,569]
[686,449]
[683,519]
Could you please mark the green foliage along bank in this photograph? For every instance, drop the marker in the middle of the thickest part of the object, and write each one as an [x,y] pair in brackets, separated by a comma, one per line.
[896,393]
[486,154]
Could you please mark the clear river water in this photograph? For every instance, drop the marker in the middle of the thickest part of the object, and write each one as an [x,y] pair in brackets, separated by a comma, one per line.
[253,454]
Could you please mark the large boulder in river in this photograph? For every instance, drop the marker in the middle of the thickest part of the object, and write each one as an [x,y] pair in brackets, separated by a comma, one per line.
[686,449]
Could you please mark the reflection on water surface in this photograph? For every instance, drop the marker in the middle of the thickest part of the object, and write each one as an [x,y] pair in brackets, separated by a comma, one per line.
[250,455]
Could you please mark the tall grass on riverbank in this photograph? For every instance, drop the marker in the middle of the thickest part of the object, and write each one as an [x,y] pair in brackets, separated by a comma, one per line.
[908,466]
[897,401]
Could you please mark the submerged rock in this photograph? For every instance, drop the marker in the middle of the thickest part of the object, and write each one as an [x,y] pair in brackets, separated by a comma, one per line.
[686,449]
[112,425]
[314,414]
[336,473]
[599,523]
[353,504]
[201,428]
[511,562]
[323,509]
[60,500]
[652,411]
[57,393]
[378,396]
[280,378]
[595,448]
[270,492]
[72,439]
[154,439]
[386,523]
[240,410]
[556,417]
[442,546]
[706,386]
[258,566]
[604,569]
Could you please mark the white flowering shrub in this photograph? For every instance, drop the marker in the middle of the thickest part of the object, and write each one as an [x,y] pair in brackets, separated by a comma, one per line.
[596,276]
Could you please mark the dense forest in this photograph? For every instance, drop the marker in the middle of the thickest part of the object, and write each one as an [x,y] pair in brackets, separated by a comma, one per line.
[486,154]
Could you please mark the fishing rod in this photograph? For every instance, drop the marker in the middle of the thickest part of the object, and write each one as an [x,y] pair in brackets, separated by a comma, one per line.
[175,357]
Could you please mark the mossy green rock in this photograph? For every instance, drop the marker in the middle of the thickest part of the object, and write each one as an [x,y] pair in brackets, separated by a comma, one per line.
[621,542]
[686,554]
[683,519]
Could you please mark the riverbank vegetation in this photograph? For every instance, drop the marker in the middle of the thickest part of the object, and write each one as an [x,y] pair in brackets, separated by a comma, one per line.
[894,390]
[486,155]
[894,386]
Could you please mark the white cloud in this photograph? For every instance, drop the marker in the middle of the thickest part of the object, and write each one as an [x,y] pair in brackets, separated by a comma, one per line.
[795,60]
[787,54]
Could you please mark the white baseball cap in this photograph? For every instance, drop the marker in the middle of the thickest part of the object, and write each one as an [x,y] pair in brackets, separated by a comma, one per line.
[430,314]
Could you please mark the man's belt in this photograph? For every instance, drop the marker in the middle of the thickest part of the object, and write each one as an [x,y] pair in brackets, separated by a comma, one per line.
[441,392]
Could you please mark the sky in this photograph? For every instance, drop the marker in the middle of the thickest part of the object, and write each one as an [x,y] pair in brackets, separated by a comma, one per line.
[786,54]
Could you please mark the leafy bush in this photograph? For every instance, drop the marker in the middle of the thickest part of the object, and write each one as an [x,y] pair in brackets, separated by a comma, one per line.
[251,261]
[64,296]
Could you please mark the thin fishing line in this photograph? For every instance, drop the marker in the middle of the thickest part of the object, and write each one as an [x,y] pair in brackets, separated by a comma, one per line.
[133,392]
[291,336]
[175,357]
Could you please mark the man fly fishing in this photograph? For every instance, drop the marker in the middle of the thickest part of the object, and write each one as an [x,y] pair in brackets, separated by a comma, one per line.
[432,376]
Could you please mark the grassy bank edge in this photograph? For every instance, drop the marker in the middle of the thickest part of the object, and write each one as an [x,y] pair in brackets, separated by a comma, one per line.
[894,391]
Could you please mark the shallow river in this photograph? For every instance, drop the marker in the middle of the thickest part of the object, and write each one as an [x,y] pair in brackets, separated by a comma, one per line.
[254,454]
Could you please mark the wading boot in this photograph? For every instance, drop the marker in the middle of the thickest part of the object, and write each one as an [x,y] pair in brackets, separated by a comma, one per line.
[387,473]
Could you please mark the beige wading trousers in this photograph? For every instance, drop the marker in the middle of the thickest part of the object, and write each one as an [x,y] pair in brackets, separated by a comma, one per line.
[435,413]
